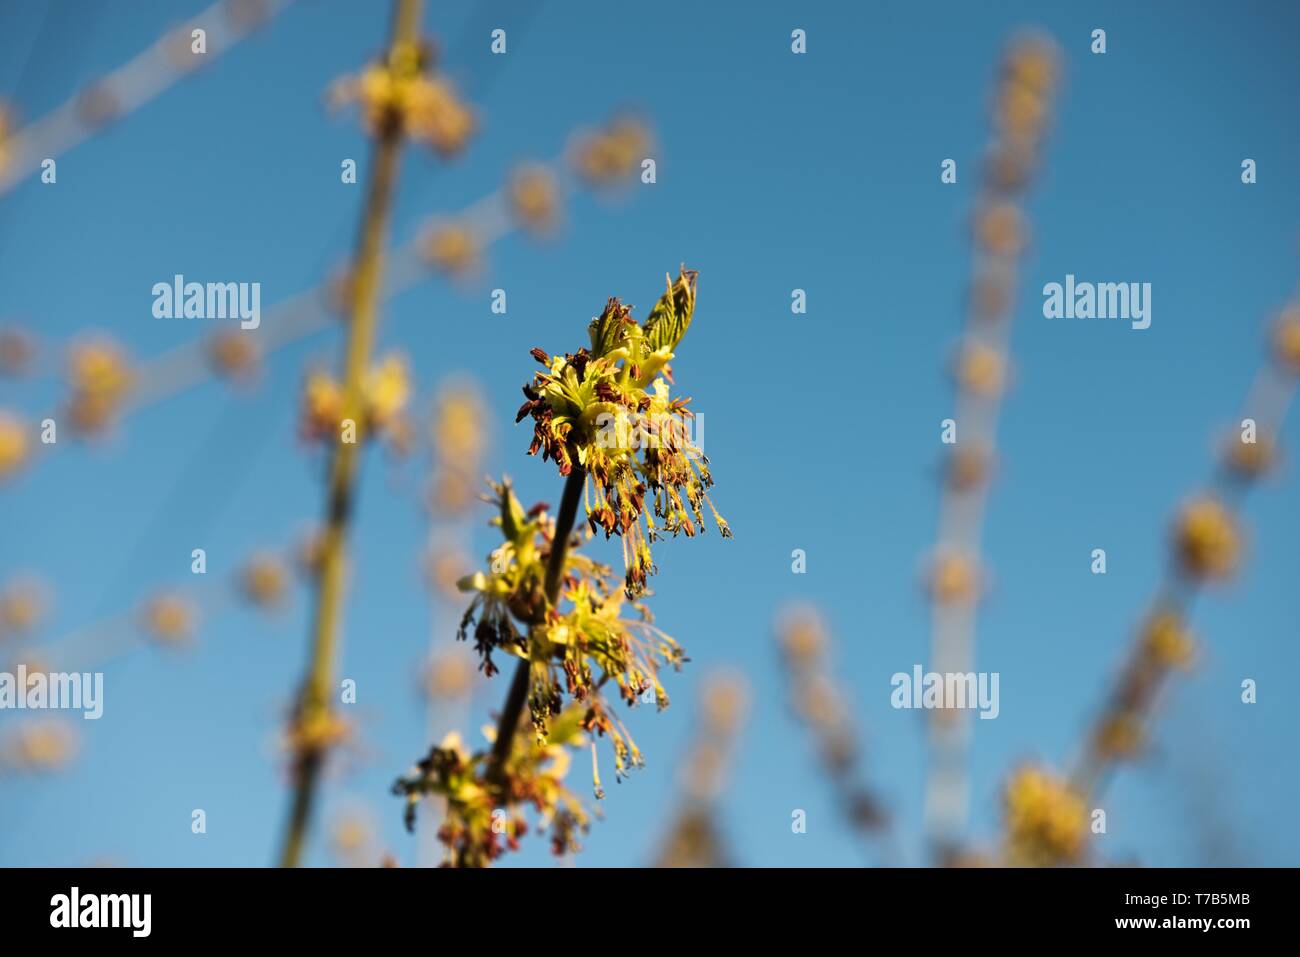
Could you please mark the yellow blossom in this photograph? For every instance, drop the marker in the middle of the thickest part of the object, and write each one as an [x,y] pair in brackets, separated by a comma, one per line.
[14,444]
[1207,540]
[1046,822]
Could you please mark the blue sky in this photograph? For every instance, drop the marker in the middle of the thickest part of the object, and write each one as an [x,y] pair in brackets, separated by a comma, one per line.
[775,171]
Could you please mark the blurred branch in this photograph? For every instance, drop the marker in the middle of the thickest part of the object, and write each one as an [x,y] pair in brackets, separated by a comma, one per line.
[1205,546]
[1022,104]
[117,94]
[694,839]
[820,703]
[313,719]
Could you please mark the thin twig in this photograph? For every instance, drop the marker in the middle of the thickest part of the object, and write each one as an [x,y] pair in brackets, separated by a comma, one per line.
[314,705]
[518,695]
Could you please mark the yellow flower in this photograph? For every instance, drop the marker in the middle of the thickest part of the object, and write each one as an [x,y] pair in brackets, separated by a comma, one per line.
[802,635]
[316,733]
[100,381]
[1167,642]
[398,94]
[14,445]
[233,354]
[954,579]
[1000,229]
[452,248]
[1251,459]
[1120,736]
[169,619]
[458,428]
[264,580]
[533,198]
[21,605]
[387,388]
[613,153]
[1046,822]
[981,370]
[1206,540]
[39,746]
[433,114]
[322,406]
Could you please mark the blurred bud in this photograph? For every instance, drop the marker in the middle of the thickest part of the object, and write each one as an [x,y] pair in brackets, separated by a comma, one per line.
[534,198]
[451,248]
[1286,339]
[233,354]
[1206,540]
[17,349]
[39,746]
[23,603]
[611,154]
[1000,229]
[169,619]
[953,579]
[264,580]
[1046,822]
[981,370]
[967,468]
[100,381]
[14,444]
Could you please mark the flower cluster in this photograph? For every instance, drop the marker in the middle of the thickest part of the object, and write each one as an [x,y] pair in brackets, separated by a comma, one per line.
[578,646]
[384,393]
[101,380]
[608,155]
[534,199]
[169,619]
[482,819]
[398,93]
[608,410]
[1046,822]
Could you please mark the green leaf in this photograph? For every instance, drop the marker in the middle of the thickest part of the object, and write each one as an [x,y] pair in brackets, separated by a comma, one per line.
[672,314]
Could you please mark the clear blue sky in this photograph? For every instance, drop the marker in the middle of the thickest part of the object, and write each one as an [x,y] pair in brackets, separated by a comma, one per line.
[775,171]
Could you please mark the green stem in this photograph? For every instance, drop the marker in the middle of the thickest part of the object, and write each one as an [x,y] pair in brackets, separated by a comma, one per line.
[517,697]
[314,700]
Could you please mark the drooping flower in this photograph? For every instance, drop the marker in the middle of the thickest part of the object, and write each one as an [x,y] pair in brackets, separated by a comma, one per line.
[608,409]
[484,818]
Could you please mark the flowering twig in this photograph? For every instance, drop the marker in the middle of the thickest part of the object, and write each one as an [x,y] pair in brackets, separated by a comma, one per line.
[316,728]
[558,611]
[1021,107]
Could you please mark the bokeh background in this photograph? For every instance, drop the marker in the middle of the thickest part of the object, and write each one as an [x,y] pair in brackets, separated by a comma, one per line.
[775,171]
